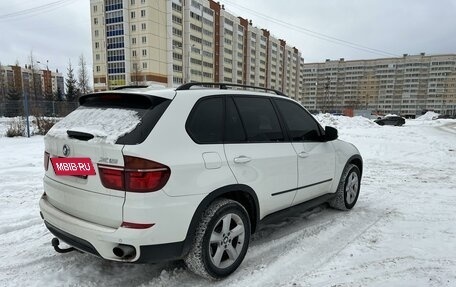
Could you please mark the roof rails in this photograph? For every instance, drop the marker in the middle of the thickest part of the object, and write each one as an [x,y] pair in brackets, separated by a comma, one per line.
[224,86]
[130,87]
[150,87]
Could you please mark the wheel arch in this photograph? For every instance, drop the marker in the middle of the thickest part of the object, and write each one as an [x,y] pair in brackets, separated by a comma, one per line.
[356,160]
[241,193]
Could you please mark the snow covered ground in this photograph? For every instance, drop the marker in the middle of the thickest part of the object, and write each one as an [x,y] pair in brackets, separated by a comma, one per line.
[402,232]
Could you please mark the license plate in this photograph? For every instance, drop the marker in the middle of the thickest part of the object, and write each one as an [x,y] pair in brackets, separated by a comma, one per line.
[76,166]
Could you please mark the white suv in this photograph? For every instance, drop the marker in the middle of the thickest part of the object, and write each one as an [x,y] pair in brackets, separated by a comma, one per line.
[189,173]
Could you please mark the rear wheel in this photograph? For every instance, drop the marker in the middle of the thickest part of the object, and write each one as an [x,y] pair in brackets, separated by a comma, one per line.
[221,240]
[348,189]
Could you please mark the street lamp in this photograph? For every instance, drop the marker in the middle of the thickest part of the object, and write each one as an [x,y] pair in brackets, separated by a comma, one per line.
[47,64]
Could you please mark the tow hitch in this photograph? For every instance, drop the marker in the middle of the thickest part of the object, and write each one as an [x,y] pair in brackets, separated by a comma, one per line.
[55,243]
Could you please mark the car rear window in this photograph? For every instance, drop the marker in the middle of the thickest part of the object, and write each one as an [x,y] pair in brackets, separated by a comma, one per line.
[112,118]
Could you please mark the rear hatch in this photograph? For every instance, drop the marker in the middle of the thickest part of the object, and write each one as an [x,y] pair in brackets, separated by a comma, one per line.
[99,129]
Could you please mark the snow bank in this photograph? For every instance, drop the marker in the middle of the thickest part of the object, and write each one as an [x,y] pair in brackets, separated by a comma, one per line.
[343,122]
[428,116]
[107,125]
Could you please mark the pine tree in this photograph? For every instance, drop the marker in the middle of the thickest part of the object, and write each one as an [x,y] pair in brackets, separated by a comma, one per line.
[13,93]
[49,96]
[58,95]
[3,87]
[72,92]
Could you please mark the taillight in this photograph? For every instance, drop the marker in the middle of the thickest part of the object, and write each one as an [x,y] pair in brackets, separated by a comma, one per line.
[138,175]
[46,161]
[112,177]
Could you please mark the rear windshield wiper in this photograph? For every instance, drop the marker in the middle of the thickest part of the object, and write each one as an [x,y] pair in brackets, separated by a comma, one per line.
[79,135]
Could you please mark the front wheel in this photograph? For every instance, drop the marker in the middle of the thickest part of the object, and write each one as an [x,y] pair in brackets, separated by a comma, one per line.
[348,189]
[221,240]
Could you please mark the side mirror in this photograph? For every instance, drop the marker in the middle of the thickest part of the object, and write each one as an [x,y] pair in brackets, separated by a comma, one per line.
[330,134]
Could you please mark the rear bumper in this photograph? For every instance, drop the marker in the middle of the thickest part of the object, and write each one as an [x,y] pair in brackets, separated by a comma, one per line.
[72,240]
[100,240]
[148,254]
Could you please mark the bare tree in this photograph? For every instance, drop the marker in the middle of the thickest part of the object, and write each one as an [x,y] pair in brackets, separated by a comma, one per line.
[83,76]
[36,79]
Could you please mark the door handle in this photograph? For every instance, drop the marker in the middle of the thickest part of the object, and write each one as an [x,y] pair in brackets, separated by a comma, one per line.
[303,154]
[242,159]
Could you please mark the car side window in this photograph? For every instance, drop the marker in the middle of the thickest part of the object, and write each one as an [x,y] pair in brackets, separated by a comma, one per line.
[301,125]
[259,119]
[205,123]
[234,131]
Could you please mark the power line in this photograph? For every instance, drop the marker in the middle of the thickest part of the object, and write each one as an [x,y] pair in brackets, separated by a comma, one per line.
[315,34]
[35,10]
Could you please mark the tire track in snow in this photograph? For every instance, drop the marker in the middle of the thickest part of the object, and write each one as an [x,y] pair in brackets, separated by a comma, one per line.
[18,226]
[310,253]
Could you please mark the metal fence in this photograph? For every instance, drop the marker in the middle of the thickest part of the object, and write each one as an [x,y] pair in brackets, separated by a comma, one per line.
[36,108]
[31,111]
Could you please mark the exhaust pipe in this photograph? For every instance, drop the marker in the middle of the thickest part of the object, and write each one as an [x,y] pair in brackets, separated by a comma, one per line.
[124,251]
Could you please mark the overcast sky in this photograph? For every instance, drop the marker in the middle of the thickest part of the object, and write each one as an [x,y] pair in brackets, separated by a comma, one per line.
[61,32]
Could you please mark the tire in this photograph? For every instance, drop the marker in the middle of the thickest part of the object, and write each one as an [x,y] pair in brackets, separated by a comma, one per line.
[348,189]
[221,240]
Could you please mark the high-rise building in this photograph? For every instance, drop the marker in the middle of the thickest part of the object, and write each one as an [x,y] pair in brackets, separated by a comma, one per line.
[407,85]
[169,42]
[29,81]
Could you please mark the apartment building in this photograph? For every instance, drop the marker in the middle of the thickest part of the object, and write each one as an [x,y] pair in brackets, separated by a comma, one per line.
[170,42]
[28,81]
[405,85]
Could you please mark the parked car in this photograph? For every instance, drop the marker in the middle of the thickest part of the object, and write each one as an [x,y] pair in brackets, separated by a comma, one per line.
[189,173]
[445,117]
[390,121]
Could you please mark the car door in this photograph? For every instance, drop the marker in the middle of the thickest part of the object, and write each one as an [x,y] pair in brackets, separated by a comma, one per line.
[258,153]
[316,158]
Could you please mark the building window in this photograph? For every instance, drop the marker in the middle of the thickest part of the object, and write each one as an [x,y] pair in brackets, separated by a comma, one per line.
[133,41]
[143,13]
[133,15]
[177,32]
[132,2]
[177,80]
[133,27]
[96,33]
[143,1]
[133,53]
[144,39]
[95,21]
[176,7]
[95,8]
[98,68]
[143,26]
[97,57]
[177,56]
[97,45]
[177,20]
[144,65]
[144,52]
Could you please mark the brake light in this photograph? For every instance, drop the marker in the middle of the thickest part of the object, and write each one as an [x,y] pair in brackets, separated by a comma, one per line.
[138,175]
[46,160]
